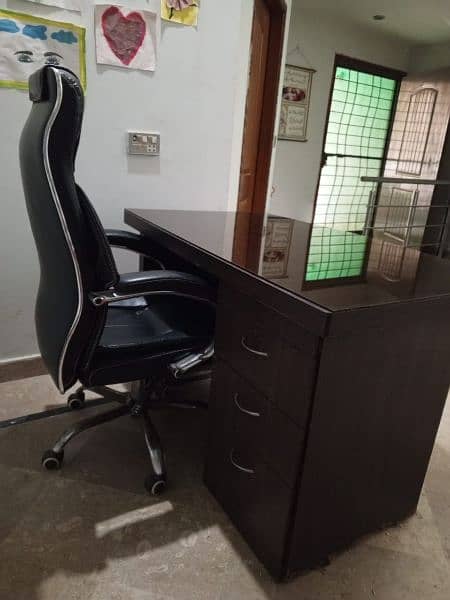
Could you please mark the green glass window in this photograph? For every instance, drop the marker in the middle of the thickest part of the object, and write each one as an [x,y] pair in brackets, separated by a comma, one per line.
[355,141]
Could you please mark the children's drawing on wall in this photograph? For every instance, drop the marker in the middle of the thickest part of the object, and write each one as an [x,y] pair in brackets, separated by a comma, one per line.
[180,11]
[126,38]
[74,5]
[28,43]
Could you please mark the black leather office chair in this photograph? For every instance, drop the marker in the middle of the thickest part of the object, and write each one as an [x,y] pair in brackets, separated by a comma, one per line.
[94,325]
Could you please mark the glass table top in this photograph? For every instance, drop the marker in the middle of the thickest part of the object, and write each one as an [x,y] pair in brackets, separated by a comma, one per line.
[334,268]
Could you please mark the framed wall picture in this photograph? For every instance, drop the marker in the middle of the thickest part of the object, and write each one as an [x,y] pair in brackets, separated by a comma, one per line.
[295,103]
[277,246]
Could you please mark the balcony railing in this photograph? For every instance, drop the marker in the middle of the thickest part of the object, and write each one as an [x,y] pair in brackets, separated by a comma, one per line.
[402,209]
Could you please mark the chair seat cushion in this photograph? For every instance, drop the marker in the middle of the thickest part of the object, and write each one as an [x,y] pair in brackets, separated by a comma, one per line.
[138,339]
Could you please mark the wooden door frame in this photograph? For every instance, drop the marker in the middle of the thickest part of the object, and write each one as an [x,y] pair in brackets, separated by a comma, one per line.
[277,10]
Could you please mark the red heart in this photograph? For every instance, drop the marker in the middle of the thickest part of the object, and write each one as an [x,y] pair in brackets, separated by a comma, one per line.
[124,35]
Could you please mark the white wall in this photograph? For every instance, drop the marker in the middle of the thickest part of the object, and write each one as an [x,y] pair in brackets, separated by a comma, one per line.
[195,99]
[297,164]
[429,58]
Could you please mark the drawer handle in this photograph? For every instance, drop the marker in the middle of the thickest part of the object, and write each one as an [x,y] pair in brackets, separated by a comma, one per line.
[252,350]
[235,464]
[244,410]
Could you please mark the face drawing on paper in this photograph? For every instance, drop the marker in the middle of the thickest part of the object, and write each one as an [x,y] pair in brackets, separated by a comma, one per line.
[33,42]
[48,58]
[27,46]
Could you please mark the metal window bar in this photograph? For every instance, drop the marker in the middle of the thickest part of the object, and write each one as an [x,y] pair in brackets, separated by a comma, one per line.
[408,180]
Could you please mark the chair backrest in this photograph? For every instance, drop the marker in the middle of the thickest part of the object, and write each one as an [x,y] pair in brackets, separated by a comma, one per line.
[74,254]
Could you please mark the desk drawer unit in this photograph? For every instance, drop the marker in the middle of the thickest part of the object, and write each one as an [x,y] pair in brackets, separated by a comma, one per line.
[251,464]
[259,409]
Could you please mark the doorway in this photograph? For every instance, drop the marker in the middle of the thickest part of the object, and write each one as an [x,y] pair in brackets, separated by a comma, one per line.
[409,209]
[363,98]
[266,48]
[362,102]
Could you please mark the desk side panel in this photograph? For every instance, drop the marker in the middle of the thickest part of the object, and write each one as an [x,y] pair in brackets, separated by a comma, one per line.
[376,411]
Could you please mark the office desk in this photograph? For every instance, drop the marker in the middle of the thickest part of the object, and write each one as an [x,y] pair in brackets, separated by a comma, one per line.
[331,376]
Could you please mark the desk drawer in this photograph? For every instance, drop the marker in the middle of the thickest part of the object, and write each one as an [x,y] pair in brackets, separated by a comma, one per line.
[248,337]
[257,502]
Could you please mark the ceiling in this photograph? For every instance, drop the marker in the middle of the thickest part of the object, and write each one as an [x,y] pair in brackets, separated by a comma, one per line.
[414,21]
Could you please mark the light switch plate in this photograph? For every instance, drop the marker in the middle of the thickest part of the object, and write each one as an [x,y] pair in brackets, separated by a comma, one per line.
[147,144]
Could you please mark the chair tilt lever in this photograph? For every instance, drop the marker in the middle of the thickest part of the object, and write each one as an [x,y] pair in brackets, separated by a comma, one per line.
[185,364]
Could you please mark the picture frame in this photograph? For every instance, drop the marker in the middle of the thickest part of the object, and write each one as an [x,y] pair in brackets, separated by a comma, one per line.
[277,247]
[295,103]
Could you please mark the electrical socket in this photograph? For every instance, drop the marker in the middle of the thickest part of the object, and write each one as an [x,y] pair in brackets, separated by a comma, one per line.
[146,144]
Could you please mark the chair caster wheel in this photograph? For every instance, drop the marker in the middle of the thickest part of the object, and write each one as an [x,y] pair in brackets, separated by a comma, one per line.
[52,460]
[76,401]
[155,484]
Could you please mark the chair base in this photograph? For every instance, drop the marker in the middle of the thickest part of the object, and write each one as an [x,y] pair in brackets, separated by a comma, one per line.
[137,404]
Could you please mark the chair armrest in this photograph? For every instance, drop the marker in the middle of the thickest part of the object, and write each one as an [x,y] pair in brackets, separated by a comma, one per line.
[147,283]
[177,283]
[119,238]
[129,240]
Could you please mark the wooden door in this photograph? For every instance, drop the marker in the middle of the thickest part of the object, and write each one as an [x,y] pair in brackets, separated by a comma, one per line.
[254,106]
[262,95]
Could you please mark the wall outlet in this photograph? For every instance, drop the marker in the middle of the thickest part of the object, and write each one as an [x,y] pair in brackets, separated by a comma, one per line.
[147,144]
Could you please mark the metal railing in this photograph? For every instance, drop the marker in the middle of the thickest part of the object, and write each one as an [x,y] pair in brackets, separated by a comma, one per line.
[398,217]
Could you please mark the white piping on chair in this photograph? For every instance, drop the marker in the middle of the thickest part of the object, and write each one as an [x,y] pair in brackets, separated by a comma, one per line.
[51,183]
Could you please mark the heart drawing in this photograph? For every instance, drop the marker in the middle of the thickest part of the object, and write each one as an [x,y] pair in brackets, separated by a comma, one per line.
[124,34]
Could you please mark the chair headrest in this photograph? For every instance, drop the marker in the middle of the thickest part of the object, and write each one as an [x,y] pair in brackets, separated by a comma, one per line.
[37,86]
[38,81]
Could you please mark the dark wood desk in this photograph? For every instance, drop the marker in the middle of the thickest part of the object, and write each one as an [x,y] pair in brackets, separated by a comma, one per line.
[328,390]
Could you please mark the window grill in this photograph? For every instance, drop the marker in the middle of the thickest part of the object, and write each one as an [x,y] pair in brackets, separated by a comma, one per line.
[391,261]
[416,131]
[398,209]
[357,129]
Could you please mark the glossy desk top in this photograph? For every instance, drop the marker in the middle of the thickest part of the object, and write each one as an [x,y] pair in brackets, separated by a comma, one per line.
[335,269]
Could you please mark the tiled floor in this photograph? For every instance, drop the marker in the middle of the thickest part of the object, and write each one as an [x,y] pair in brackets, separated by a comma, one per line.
[27,396]
[89,532]
[33,395]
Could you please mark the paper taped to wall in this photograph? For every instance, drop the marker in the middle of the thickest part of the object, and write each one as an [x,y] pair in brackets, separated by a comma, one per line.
[28,43]
[125,38]
[180,11]
[74,5]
